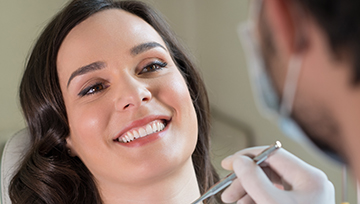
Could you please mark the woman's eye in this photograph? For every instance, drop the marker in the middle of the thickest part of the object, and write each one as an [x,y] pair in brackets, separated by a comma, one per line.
[92,89]
[154,66]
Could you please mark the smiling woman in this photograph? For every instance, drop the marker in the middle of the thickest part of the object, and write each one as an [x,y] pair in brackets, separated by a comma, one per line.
[116,110]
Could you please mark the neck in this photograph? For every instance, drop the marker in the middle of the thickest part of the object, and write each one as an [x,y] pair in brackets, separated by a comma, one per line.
[350,128]
[178,187]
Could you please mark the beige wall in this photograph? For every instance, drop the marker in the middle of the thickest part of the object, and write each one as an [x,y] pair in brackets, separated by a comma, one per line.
[20,23]
[208,27]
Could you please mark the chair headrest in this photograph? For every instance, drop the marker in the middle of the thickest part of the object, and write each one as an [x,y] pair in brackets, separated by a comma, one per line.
[13,153]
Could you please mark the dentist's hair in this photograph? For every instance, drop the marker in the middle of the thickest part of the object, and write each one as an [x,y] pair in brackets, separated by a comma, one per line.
[340,21]
[48,174]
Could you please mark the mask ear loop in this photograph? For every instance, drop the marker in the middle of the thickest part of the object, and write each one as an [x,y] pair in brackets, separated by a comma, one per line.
[293,72]
[358,192]
[289,91]
[291,82]
[255,10]
[344,191]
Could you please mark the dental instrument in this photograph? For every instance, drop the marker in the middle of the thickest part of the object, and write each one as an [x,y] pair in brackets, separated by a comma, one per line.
[232,176]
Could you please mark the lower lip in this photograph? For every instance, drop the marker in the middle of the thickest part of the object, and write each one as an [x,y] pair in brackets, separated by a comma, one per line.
[147,139]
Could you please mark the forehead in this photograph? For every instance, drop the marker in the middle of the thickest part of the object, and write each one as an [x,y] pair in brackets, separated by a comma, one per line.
[105,34]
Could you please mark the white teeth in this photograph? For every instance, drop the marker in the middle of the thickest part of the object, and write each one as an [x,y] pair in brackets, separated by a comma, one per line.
[122,140]
[154,127]
[130,135]
[158,126]
[127,138]
[136,134]
[150,128]
[142,132]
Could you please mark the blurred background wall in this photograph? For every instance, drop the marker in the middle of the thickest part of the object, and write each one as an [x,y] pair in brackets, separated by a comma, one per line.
[208,28]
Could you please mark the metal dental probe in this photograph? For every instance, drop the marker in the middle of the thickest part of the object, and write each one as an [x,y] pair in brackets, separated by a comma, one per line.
[225,182]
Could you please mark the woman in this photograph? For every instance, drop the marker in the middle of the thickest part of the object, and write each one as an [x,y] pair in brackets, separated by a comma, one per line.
[116,110]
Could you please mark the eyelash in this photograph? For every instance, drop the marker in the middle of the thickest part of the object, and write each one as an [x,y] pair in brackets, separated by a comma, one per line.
[153,66]
[93,89]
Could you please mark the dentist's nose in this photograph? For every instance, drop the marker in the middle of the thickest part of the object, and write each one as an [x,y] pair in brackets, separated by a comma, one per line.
[133,94]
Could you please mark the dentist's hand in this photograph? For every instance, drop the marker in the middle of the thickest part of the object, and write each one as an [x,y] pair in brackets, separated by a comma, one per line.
[281,179]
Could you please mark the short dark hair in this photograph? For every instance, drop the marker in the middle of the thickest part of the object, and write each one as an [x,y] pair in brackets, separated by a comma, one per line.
[340,19]
[48,174]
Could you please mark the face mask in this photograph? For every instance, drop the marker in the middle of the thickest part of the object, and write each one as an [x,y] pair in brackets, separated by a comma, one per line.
[267,100]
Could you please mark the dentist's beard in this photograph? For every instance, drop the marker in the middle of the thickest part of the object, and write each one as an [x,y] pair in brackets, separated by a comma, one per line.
[322,129]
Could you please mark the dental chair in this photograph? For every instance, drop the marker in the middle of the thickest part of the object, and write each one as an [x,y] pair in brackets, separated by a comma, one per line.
[14,150]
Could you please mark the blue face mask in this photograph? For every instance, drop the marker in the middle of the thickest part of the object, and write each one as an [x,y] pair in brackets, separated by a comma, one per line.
[268,101]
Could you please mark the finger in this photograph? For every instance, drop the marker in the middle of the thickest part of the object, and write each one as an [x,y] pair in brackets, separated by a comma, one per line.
[256,184]
[291,169]
[274,177]
[227,163]
[246,200]
[254,181]
[233,193]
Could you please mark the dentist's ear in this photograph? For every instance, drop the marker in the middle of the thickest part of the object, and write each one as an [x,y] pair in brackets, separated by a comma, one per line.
[70,149]
[287,22]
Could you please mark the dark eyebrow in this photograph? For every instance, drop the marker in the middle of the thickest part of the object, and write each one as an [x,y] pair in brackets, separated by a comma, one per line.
[85,69]
[144,47]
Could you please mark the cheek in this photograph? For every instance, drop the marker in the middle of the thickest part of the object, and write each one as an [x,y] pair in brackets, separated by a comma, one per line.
[176,95]
[87,125]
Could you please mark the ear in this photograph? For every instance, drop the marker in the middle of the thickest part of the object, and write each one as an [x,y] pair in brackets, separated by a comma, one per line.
[70,147]
[287,22]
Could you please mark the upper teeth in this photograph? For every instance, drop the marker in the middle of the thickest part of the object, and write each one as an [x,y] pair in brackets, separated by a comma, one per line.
[148,129]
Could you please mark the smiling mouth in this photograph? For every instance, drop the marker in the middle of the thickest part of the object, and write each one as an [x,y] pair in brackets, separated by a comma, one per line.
[150,128]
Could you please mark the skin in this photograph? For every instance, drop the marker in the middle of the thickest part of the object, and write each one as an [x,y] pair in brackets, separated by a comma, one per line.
[325,106]
[312,113]
[282,179]
[326,101]
[155,171]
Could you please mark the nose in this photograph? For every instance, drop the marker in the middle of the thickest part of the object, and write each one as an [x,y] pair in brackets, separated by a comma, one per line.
[132,94]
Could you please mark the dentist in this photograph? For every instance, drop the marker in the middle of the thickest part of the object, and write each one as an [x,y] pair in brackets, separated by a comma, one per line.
[303,56]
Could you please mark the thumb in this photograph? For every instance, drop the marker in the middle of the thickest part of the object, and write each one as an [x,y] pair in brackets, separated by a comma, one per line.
[254,181]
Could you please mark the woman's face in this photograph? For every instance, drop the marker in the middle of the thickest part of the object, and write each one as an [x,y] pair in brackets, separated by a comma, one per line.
[130,113]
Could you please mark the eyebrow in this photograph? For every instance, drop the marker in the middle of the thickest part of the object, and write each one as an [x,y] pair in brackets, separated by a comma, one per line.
[138,49]
[145,47]
[86,69]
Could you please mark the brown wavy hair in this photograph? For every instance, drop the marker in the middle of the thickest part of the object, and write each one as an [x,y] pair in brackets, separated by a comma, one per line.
[48,174]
